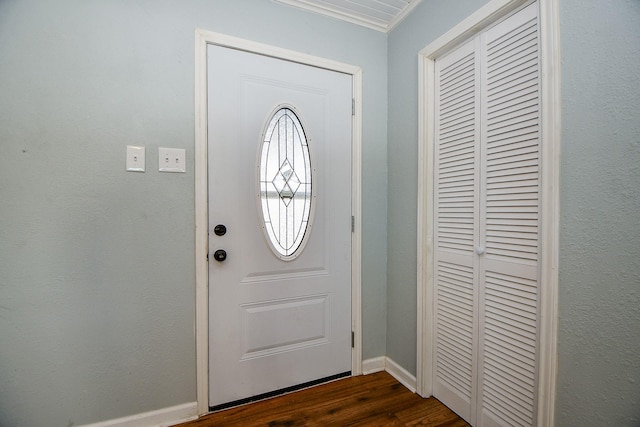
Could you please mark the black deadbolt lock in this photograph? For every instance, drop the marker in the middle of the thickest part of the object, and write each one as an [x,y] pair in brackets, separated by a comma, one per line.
[220,255]
[220,230]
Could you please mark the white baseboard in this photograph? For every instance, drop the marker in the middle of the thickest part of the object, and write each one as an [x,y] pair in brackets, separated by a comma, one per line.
[401,374]
[384,363]
[189,411]
[371,366]
[160,418]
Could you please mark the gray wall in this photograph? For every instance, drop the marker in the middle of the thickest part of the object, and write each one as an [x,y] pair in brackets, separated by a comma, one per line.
[599,289]
[97,264]
[599,334]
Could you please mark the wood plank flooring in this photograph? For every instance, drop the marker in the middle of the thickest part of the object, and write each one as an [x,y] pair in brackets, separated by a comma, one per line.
[370,400]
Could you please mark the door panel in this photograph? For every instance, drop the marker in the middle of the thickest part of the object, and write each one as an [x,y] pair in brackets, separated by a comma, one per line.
[510,221]
[456,184]
[276,323]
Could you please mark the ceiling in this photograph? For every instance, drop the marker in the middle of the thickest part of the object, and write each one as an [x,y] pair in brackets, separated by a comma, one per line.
[381,15]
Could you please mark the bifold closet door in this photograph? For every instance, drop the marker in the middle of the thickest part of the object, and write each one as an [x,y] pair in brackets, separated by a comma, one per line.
[486,201]
[509,221]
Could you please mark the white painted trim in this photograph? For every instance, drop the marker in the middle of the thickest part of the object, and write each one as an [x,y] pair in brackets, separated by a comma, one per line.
[338,14]
[402,375]
[400,17]
[374,24]
[356,236]
[384,363]
[231,42]
[160,418]
[473,24]
[426,108]
[550,176]
[371,366]
[204,38]
[201,226]
[551,128]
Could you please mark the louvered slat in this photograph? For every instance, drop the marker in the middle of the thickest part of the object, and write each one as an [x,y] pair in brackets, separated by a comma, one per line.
[518,156]
[456,154]
[510,192]
[454,328]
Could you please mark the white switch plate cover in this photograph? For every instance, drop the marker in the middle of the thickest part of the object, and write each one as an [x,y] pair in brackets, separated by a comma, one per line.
[171,159]
[135,159]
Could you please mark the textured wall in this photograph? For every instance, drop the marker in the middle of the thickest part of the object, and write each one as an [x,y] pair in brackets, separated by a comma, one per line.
[429,20]
[97,264]
[96,290]
[599,295]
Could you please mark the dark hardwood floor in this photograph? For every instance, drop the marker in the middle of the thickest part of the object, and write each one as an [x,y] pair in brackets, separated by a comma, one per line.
[370,400]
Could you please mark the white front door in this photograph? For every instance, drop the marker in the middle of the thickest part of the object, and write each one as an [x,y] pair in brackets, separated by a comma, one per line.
[279,173]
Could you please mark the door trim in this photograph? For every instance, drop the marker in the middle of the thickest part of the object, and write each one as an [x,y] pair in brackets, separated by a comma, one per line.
[202,40]
[550,177]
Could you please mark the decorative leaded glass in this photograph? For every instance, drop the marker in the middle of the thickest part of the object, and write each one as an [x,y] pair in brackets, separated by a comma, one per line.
[285,183]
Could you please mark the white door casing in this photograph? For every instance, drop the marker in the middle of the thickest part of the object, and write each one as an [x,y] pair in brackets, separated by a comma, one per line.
[480,260]
[320,303]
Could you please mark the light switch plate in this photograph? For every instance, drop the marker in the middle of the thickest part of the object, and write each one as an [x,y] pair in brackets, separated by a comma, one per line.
[135,159]
[171,159]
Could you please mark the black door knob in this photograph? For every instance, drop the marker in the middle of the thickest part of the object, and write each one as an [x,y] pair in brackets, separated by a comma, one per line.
[220,255]
[220,230]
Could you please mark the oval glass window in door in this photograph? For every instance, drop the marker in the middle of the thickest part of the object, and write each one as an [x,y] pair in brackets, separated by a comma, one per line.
[285,183]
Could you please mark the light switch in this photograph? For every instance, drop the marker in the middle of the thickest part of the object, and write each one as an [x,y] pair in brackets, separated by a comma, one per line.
[135,159]
[171,159]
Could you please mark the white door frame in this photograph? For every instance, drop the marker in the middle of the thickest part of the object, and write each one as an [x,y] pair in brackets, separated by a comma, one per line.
[203,39]
[550,177]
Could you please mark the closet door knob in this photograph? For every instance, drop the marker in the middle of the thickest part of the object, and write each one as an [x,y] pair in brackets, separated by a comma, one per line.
[479,250]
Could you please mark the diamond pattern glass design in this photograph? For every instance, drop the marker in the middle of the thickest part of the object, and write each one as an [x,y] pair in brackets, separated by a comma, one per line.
[285,183]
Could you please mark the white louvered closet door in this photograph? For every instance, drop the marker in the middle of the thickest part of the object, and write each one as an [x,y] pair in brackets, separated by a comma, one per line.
[487,229]
[456,233]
